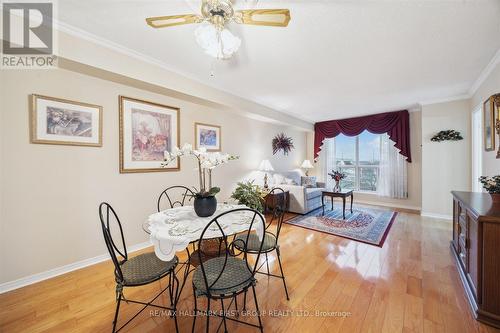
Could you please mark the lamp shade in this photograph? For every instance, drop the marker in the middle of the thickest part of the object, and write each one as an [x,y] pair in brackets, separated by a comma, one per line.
[265,165]
[306,165]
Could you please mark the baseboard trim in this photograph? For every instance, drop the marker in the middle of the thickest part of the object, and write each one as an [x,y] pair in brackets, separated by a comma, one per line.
[437,216]
[406,209]
[38,277]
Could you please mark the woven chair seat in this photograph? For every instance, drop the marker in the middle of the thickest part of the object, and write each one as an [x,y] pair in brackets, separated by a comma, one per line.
[209,248]
[254,242]
[236,276]
[146,268]
[194,260]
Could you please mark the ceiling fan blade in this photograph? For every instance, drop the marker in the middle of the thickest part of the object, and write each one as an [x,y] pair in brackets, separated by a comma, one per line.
[268,17]
[169,21]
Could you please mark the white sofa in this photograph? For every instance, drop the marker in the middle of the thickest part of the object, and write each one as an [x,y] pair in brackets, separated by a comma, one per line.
[302,199]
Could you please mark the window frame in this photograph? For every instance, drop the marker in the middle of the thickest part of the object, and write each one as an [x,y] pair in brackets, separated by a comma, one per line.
[357,166]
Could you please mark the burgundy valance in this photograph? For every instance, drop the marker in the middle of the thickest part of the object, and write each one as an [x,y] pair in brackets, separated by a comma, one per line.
[395,124]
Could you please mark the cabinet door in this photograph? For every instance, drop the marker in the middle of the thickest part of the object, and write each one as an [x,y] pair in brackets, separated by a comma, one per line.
[473,248]
[456,225]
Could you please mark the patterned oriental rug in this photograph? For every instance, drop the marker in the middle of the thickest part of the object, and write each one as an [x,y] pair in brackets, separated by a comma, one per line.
[365,225]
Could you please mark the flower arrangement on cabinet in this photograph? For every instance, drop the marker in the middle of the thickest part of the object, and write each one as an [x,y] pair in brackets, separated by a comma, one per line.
[491,184]
[448,135]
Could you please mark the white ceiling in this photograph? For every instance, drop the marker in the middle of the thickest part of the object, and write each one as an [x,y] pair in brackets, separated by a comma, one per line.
[336,59]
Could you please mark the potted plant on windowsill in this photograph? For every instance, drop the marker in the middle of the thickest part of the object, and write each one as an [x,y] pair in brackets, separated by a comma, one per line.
[205,203]
[492,186]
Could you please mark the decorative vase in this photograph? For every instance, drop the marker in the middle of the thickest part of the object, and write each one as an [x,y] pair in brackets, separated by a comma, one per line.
[337,186]
[495,197]
[205,206]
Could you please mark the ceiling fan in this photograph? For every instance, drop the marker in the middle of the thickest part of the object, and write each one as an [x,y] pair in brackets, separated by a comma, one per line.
[213,36]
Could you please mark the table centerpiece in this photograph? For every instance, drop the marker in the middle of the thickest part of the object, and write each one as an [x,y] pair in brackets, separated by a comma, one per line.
[337,176]
[205,202]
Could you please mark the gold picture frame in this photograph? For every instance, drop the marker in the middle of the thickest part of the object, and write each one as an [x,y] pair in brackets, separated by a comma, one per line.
[489,124]
[496,112]
[141,149]
[215,130]
[58,121]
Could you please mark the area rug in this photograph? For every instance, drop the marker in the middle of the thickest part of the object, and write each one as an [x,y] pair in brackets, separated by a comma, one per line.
[367,225]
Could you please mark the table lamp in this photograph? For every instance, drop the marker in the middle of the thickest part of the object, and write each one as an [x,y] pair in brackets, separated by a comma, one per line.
[307,165]
[265,166]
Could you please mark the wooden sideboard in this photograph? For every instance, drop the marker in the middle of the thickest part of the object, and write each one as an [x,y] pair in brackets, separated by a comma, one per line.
[476,247]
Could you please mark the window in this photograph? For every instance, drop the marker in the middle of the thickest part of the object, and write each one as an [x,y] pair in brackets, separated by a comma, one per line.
[359,158]
[477,148]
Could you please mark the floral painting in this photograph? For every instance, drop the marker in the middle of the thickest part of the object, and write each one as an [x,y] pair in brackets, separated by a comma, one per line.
[147,131]
[150,135]
[60,121]
[208,136]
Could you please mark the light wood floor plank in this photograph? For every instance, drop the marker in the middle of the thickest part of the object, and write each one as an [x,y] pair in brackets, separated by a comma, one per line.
[408,285]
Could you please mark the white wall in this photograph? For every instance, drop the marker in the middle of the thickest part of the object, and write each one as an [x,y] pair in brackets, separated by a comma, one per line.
[50,193]
[445,165]
[490,86]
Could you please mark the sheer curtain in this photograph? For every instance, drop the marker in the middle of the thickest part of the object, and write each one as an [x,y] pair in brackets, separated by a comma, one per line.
[393,176]
[326,161]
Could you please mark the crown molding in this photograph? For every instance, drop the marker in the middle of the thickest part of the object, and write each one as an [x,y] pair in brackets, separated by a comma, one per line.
[445,99]
[301,123]
[85,35]
[38,277]
[80,33]
[485,73]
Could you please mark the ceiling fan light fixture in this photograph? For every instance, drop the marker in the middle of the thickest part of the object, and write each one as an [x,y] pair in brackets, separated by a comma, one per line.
[218,43]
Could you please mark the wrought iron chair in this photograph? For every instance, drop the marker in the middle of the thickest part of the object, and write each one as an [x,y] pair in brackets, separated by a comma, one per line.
[270,241]
[226,276]
[175,196]
[140,270]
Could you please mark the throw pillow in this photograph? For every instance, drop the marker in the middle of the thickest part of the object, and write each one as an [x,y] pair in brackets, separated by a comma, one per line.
[308,181]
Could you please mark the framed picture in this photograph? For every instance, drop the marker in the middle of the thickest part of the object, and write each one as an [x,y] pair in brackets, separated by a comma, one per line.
[496,108]
[489,124]
[59,121]
[207,136]
[147,130]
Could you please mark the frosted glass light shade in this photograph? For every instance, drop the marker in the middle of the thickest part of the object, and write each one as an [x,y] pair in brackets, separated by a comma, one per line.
[265,165]
[218,44]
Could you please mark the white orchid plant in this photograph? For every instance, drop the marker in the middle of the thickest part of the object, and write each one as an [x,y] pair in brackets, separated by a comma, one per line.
[207,161]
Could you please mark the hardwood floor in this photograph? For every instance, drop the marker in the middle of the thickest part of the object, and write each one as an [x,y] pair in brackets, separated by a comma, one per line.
[409,285]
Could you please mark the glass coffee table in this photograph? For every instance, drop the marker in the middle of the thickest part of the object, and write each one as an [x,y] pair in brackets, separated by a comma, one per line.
[340,194]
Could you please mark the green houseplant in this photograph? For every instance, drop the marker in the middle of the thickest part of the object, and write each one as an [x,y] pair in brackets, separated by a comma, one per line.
[249,194]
